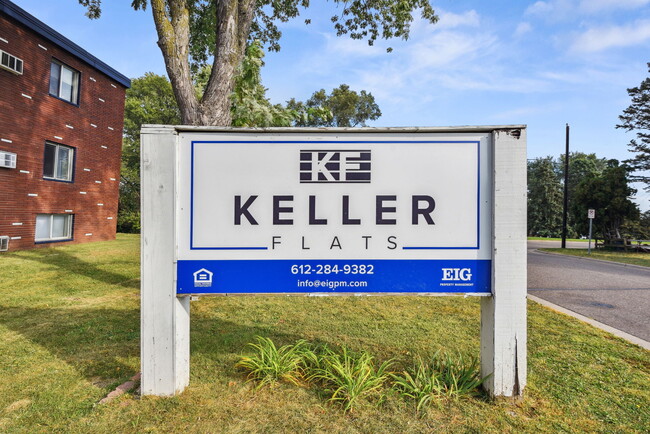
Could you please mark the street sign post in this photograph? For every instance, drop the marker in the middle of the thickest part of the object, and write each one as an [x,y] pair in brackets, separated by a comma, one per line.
[591,215]
[422,211]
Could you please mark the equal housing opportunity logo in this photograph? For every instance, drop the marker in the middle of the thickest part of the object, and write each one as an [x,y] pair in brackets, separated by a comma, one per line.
[203,278]
[323,166]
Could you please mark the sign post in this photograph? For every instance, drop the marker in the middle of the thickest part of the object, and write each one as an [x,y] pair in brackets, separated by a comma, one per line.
[591,215]
[421,211]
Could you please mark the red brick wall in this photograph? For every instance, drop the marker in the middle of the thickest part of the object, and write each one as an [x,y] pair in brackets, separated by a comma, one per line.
[29,117]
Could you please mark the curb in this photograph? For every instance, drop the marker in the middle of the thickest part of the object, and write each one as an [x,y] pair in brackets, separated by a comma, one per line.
[640,267]
[618,333]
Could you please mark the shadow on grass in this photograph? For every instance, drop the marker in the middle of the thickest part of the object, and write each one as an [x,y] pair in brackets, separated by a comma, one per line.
[95,341]
[71,264]
[98,343]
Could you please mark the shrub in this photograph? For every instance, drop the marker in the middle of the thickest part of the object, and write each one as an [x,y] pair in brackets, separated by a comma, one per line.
[128,222]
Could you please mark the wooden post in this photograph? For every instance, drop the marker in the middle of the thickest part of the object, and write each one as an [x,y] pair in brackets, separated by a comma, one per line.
[503,315]
[165,318]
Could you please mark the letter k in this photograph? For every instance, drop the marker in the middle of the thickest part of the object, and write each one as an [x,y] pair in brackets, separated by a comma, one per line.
[319,166]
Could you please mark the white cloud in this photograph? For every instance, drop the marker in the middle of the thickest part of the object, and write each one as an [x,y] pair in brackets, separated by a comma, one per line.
[523,28]
[449,20]
[455,55]
[346,47]
[603,38]
[560,9]
[446,61]
[539,8]
[428,47]
[613,74]
[523,112]
[551,9]
[447,49]
[593,6]
[494,80]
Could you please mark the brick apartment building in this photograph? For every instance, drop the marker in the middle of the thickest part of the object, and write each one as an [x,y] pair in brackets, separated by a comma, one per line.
[61,118]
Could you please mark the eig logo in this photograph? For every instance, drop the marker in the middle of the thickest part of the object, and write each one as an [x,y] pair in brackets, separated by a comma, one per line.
[457,274]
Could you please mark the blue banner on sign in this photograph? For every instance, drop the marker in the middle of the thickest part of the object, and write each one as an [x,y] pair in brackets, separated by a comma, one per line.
[333,276]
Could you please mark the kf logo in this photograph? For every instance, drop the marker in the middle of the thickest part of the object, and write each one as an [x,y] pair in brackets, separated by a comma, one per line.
[334,166]
[463,274]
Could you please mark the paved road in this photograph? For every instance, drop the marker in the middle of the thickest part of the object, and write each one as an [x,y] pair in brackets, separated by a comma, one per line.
[613,294]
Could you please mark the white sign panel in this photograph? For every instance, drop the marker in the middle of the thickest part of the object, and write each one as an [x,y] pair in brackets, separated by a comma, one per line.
[327,214]
[591,214]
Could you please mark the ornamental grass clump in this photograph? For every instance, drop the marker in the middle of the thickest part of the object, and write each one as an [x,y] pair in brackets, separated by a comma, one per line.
[460,376]
[270,364]
[445,376]
[349,376]
[421,384]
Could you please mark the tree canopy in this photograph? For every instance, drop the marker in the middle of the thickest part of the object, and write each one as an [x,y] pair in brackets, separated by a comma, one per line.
[149,100]
[344,107]
[609,194]
[250,106]
[193,33]
[544,199]
[581,166]
[594,183]
[637,118]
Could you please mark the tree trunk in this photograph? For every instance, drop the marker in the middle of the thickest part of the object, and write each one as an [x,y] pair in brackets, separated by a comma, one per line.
[173,28]
[233,23]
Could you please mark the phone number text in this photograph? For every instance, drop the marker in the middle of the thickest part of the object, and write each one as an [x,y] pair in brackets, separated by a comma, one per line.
[333,269]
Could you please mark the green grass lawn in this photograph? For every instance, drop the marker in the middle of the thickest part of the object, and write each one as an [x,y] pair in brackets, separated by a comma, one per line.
[623,257]
[69,334]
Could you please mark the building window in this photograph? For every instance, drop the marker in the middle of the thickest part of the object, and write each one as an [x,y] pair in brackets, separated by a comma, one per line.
[53,227]
[58,162]
[64,82]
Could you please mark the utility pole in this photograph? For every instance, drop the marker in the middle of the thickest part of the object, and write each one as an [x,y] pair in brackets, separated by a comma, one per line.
[566,190]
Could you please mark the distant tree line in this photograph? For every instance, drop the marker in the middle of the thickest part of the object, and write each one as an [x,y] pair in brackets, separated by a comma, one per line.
[594,183]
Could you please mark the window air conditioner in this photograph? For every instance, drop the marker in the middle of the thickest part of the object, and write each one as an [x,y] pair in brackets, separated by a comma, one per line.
[11,63]
[4,243]
[7,159]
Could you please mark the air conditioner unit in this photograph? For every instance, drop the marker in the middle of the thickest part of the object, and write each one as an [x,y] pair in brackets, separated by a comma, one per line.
[11,63]
[7,159]
[4,243]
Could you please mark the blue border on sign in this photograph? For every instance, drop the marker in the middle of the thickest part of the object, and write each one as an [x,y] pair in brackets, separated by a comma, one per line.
[478,187]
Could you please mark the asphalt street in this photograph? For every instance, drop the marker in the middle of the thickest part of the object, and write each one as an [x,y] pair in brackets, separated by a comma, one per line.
[613,294]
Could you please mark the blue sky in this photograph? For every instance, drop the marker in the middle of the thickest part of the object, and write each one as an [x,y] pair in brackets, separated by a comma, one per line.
[539,63]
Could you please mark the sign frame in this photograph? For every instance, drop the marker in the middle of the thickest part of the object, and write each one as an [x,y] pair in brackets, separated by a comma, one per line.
[165,315]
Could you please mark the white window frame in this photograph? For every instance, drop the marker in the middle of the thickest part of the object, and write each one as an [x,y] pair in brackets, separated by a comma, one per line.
[68,228]
[18,63]
[76,82]
[57,176]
